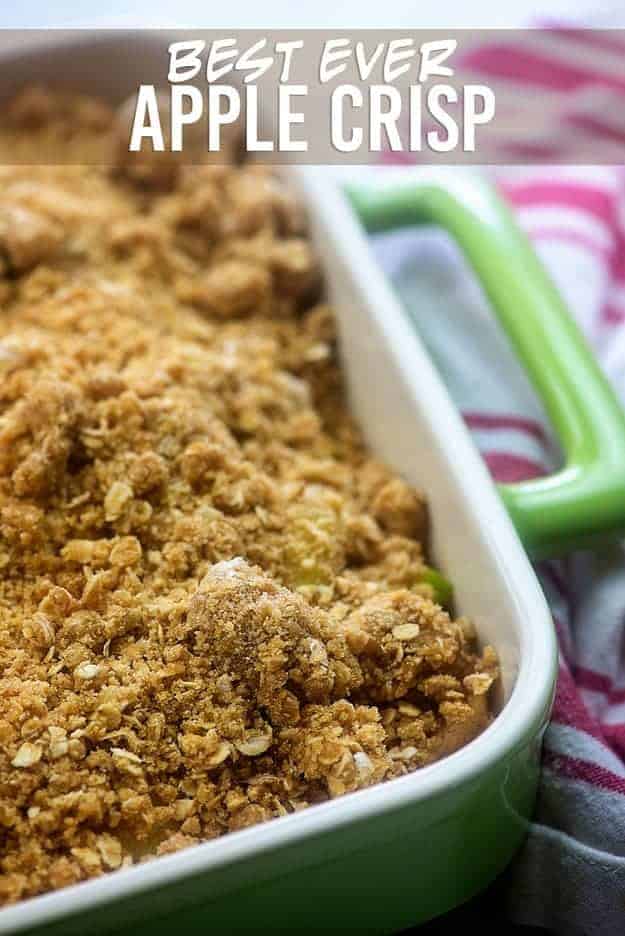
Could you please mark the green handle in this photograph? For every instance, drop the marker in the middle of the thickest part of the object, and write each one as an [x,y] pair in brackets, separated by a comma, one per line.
[584,502]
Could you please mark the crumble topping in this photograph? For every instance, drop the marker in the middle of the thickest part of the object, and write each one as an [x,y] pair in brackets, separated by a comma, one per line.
[215,607]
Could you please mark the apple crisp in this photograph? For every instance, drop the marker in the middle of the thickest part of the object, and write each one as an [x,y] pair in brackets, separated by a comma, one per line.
[215,607]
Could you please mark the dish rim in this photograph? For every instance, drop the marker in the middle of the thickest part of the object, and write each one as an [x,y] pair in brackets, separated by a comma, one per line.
[519,720]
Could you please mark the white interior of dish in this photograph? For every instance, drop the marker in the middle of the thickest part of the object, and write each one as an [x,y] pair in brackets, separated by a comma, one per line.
[410,423]
[407,424]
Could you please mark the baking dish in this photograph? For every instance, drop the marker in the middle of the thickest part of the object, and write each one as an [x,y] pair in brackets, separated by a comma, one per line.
[402,852]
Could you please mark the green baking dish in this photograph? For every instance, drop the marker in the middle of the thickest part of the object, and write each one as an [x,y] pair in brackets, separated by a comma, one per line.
[398,854]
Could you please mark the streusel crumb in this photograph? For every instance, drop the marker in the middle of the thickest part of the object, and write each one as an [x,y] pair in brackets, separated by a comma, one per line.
[213,601]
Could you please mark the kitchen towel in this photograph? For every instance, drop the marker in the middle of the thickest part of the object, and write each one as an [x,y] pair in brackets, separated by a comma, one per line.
[570,875]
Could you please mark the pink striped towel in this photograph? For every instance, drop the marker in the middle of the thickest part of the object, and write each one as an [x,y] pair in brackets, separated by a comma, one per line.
[570,876]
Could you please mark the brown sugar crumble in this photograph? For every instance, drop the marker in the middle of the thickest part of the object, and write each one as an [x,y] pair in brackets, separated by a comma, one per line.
[213,607]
